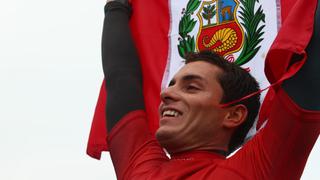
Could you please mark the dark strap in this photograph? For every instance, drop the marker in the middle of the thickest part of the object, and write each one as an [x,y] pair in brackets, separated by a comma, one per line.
[304,87]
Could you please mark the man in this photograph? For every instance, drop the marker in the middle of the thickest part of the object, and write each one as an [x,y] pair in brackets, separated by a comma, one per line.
[198,126]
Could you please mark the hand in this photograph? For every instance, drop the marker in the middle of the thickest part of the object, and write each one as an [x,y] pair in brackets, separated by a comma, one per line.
[121,1]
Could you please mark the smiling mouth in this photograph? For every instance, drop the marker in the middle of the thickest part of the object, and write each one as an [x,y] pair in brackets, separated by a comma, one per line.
[170,113]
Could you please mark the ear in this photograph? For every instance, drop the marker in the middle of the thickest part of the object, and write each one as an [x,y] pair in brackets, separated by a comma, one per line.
[235,116]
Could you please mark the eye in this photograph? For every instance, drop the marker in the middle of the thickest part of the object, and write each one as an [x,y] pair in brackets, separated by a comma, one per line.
[172,82]
[192,88]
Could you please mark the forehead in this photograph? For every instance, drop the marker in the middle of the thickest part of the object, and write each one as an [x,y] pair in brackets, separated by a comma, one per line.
[202,69]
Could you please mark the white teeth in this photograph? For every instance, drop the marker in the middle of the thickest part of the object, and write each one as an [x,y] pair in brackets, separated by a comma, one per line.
[170,113]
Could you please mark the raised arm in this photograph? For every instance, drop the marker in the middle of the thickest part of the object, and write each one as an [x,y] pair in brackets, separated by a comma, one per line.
[120,63]
[133,149]
[304,87]
[281,149]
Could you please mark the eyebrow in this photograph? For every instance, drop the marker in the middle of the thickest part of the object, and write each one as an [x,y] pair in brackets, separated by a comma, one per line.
[189,77]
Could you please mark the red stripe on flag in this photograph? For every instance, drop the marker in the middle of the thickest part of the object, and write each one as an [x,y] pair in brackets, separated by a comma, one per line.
[98,134]
[150,27]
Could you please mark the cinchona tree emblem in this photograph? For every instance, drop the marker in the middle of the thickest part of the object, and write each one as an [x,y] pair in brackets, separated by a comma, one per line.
[225,27]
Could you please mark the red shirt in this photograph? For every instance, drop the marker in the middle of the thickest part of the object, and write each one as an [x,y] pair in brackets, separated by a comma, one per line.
[279,151]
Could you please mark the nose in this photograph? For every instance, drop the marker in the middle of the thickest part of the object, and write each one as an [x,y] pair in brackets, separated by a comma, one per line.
[169,95]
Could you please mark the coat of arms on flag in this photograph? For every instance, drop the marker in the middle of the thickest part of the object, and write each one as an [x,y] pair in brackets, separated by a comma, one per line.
[219,29]
[235,29]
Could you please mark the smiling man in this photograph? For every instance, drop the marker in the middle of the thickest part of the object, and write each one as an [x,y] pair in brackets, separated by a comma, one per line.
[196,129]
[191,117]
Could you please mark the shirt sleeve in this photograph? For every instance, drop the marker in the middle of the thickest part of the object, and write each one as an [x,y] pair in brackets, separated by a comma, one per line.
[281,149]
[134,150]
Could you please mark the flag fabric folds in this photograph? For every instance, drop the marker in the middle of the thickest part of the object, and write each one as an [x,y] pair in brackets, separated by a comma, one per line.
[240,30]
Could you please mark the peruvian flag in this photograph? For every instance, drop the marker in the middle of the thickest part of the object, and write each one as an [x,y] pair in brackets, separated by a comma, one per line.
[240,30]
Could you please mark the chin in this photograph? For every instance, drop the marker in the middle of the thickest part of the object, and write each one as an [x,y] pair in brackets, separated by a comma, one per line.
[164,135]
[166,138]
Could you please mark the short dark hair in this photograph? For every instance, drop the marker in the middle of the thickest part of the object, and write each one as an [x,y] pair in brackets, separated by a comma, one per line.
[236,83]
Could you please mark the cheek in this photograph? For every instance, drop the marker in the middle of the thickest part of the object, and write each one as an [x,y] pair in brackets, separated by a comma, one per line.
[205,115]
[202,105]
[197,109]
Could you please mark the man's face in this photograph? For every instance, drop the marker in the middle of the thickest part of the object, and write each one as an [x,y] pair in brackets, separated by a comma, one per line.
[189,117]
